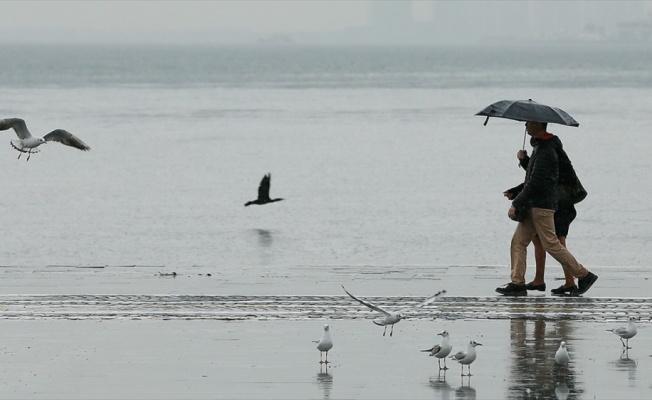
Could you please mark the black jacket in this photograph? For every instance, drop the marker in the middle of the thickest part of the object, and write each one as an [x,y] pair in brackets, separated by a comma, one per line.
[569,188]
[541,177]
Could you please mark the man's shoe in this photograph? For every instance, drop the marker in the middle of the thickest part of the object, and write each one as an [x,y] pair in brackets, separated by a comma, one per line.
[585,283]
[540,288]
[512,290]
[563,290]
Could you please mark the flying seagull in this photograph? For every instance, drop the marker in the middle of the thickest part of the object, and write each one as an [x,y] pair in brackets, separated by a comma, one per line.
[325,344]
[441,350]
[263,192]
[26,143]
[391,317]
[466,357]
[626,332]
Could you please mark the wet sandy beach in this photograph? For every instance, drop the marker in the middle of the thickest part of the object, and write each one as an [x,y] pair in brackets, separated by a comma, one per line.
[140,359]
[80,335]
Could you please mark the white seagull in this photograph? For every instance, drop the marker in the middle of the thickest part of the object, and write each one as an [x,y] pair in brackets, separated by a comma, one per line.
[626,332]
[441,350]
[392,317]
[466,357]
[324,344]
[26,143]
[561,356]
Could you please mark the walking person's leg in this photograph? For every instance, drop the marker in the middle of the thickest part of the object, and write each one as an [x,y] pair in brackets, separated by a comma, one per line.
[523,235]
[539,282]
[543,222]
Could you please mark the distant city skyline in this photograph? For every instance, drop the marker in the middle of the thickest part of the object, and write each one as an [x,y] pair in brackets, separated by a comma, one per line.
[350,22]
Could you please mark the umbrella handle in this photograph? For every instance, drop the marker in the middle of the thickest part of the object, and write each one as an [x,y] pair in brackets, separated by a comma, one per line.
[524,137]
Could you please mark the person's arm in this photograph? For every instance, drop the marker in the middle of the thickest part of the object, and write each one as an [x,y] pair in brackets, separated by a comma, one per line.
[513,192]
[539,171]
[523,158]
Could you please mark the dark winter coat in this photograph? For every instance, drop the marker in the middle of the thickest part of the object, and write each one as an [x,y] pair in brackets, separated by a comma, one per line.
[569,188]
[541,177]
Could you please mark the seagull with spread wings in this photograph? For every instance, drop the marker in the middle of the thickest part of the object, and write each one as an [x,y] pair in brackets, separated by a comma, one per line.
[26,143]
[391,317]
[263,192]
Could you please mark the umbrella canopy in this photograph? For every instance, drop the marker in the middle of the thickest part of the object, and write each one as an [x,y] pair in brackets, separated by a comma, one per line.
[527,110]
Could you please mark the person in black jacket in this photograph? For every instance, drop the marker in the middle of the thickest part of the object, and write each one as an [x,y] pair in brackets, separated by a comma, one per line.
[563,217]
[534,207]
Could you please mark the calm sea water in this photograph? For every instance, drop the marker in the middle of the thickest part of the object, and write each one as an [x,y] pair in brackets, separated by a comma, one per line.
[376,151]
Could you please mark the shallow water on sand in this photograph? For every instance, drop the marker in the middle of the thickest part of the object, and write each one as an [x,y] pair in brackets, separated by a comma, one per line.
[277,359]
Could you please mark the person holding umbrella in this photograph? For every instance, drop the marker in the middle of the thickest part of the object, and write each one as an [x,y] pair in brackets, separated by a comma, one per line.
[563,217]
[534,207]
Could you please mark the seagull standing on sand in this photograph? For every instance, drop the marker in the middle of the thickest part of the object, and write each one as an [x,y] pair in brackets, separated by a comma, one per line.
[561,356]
[441,351]
[626,332]
[466,357]
[392,317]
[325,344]
[263,192]
[26,143]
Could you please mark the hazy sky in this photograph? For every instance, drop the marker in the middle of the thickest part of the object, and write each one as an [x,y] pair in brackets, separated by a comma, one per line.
[136,15]
[446,20]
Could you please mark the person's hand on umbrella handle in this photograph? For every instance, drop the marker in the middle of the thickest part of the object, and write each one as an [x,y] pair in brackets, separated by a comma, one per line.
[512,213]
[521,154]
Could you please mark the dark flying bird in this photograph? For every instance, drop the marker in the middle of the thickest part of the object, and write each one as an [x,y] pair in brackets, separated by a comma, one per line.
[26,143]
[263,192]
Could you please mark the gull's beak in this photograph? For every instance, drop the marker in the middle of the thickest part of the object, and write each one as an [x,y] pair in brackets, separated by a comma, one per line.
[479,344]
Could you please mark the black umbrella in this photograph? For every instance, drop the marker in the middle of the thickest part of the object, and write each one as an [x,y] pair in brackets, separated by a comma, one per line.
[527,110]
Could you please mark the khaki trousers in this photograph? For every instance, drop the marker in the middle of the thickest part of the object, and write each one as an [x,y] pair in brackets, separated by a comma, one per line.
[540,222]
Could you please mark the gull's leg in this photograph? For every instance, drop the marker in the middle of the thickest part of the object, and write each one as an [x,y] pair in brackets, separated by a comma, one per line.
[439,363]
[385,331]
[326,362]
[627,345]
[392,331]
[445,367]
[19,154]
[29,154]
[469,370]
[321,357]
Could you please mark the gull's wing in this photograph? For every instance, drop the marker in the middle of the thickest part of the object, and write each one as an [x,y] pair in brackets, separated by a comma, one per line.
[432,298]
[18,126]
[459,355]
[366,303]
[263,188]
[623,330]
[67,138]
[435,349]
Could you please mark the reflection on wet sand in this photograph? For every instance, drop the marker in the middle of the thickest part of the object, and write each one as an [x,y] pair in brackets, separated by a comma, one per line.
[533,371]
[464,391]
[325,380]
[626,364]
[561,391]
[441,386]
